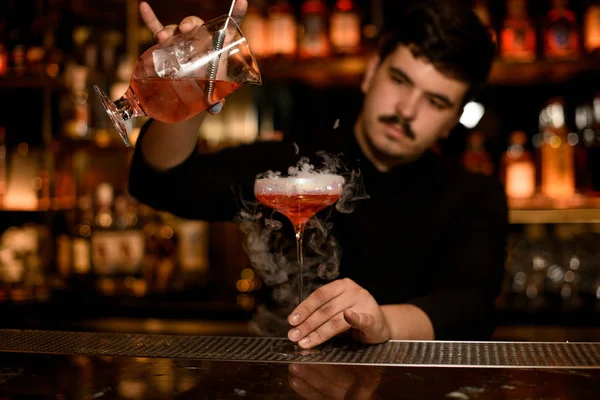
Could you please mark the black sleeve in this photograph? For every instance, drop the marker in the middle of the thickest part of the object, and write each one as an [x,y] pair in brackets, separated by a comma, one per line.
[207,186]
[462,303]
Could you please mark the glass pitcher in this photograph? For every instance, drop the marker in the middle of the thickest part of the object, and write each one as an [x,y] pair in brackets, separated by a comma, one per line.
[184,75]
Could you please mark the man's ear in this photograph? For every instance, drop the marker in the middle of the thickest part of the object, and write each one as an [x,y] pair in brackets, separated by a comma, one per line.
[370,72]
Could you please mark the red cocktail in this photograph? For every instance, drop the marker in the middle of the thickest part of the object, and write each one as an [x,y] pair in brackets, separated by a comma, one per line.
[299,199]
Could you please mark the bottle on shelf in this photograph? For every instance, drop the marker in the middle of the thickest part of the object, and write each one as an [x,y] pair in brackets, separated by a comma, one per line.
[282,29]
[81,240]
[75,106]
[104,247]
[517,38]
[255,26]
[561,33]
[345,28]
[557,153]
[482,10]
[314,40]
[3,162]
[591,28]
[518,168]
[588,121]
[476,157]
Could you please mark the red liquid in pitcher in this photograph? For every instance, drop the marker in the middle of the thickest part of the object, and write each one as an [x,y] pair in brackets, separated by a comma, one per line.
[299,208]
[174,100]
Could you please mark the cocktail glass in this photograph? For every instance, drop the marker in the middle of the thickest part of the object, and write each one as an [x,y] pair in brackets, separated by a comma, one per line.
[299,199]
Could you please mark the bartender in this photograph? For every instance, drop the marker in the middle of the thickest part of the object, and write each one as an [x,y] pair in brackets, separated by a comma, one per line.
[423,256]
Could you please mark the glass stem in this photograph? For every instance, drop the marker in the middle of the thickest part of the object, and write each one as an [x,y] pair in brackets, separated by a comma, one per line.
[128,106]
[299,251]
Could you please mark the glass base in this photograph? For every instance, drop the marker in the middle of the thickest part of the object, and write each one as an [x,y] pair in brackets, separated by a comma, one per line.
[114,115]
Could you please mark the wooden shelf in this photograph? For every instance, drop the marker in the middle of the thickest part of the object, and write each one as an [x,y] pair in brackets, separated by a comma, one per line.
[554,216]
[348,71]
[342,71]
[541,72]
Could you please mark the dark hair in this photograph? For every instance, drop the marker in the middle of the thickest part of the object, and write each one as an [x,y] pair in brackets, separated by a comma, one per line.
[447,34]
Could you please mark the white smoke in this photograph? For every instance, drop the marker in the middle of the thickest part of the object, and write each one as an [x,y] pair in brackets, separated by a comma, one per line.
[272,250]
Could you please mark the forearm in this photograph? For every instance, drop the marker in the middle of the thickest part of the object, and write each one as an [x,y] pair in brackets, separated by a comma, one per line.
[407,322]
[165,146]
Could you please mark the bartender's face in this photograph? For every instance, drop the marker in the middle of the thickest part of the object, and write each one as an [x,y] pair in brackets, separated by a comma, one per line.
[408,106]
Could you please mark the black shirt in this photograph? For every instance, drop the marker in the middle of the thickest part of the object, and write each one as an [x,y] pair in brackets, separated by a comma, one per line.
[430,234]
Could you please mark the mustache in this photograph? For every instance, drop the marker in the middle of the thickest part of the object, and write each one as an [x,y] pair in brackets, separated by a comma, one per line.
[394,119]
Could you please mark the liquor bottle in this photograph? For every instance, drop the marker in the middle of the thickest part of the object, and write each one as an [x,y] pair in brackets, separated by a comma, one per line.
[482,10]
[518,168]
[589,121]
[314,41]
[3,157]
[561,33]
[82,233]
[476,158]
[254,27]
[192,251]
[3,59]
[130,242]
[282,29]
[557,155]
[517,39]
[345,32]
[104,244]
[75,107]
[591,28]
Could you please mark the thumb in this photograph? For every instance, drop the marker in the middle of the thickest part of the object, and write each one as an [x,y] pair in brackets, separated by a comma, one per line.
[360,321]
[217,107]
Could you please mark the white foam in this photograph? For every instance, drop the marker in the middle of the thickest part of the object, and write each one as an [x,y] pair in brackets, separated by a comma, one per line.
[314,184]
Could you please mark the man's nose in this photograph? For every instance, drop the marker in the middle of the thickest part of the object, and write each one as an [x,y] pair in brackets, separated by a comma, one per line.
[406,107]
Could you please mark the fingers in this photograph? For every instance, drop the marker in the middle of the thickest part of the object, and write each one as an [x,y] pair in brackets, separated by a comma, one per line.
[149,18]
[189,23]
[239,10]
[329,329]
[316,300]
[327,319]
[165,33]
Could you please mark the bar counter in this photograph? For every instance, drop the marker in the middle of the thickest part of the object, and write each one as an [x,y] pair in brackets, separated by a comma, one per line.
[86,365]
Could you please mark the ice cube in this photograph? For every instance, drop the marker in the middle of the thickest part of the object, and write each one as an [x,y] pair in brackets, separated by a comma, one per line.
[169,61]
[165,61]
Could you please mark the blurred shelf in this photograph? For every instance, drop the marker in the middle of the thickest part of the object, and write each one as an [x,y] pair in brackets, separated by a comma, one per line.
[114,144]
[348,71]
[28,82]
[554,216]
[342,71]
[540,72]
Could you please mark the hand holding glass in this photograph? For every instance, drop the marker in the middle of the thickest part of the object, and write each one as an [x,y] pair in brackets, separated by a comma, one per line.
[186,74]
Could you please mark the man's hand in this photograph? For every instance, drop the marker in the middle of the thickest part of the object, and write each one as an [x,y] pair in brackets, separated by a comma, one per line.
[335,308]
[319,381]
[162,33]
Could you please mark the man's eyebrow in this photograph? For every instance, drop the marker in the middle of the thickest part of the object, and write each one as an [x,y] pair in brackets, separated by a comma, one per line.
[395,71]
